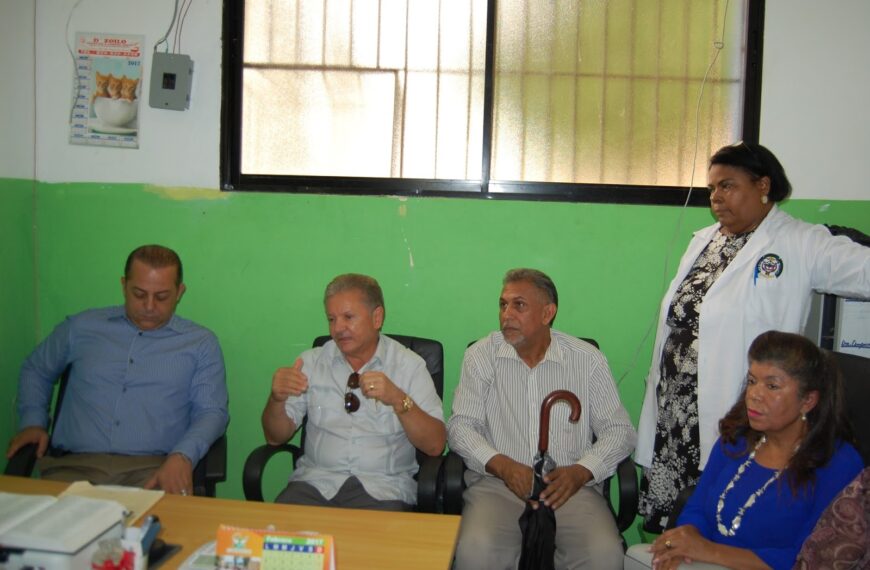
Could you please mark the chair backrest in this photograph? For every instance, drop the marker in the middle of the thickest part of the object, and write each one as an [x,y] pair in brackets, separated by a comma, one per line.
[58,402]
[855,371]
[429,350]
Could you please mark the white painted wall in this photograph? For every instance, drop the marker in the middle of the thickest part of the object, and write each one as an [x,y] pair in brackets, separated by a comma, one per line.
[815,102]
[814,112]
[16,89]
[176,148]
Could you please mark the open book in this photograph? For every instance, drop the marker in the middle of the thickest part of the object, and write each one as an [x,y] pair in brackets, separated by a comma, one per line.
[137,501]
[66,525]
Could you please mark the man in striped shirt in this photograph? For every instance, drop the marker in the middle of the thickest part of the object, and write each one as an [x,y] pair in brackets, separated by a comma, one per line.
[495,423]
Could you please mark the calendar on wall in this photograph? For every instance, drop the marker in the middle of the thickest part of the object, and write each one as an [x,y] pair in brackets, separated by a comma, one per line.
[106,90]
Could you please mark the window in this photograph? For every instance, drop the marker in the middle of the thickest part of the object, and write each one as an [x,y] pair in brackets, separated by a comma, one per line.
[592,100]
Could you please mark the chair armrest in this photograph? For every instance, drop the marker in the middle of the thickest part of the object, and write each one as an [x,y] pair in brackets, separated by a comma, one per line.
[679,505]
[454,483]
[23,462]
[626,478]
[255,465]
[212,469]
[216,460]
[429,487]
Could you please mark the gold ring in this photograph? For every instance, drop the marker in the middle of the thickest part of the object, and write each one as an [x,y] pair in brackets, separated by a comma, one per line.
[371,386]
[668,544]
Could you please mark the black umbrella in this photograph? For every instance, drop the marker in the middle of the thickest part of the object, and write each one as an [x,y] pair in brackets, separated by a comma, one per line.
[538,525]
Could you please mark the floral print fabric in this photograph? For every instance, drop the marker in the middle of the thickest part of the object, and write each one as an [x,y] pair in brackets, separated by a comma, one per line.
[677,443]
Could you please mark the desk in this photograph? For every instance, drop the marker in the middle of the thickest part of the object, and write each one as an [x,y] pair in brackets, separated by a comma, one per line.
[363,539]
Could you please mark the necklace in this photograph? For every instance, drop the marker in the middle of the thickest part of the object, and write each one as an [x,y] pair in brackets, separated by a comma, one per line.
[735,524]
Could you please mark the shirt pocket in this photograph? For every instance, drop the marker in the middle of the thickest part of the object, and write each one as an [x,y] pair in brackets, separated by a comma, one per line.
[566,444]
[326,408]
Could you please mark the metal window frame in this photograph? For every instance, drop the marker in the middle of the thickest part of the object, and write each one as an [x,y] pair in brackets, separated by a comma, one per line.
[231,126]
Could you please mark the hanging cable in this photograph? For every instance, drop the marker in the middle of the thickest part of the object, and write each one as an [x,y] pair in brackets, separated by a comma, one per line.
[78,83]
[169,29]
[717,46]
[185,7]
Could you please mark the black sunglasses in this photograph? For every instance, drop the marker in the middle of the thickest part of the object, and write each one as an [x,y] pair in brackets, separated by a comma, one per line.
[351,402]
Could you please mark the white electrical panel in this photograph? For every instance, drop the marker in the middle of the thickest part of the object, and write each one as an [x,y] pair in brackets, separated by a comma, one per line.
[171,79]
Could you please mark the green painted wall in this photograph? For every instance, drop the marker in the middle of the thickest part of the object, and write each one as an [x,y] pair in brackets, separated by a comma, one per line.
[17,298]
[256,266]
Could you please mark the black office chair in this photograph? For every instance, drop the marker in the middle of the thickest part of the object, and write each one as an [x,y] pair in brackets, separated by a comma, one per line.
[855,371]
[432,353]
[211,469]
[452,485]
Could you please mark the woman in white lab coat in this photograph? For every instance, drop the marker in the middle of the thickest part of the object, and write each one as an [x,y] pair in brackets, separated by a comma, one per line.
[753,271]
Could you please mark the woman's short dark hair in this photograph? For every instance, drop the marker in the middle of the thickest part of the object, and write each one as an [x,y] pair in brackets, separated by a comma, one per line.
[815,370]
[758,162]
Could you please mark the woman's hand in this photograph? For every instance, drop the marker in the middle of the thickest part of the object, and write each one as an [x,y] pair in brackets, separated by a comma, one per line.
[683,544]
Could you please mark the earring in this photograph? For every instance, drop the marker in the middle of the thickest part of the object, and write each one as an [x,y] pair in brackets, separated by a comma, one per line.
[803,416]
[764,199]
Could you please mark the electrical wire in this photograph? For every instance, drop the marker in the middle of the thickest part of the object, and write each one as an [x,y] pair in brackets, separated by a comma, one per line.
[34,209]
[169,29]
[185,7]
[717,46]
[78,83]
[77,80]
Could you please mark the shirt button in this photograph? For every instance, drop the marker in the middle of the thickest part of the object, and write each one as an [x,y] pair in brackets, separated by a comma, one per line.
[131,361]
[140,333]
[124,389]
[117,422]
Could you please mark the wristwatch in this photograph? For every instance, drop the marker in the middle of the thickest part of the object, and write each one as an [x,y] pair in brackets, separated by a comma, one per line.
[407,404]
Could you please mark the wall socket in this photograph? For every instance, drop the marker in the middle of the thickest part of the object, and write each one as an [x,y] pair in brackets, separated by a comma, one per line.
[171,79]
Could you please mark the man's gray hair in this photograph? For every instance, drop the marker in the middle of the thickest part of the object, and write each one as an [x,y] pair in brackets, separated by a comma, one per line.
[539,279]
[368,286]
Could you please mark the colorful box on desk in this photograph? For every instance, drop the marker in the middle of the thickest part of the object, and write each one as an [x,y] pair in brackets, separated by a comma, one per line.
[261,549]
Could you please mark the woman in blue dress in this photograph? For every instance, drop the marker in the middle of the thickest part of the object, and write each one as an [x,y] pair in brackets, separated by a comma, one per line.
[782,455]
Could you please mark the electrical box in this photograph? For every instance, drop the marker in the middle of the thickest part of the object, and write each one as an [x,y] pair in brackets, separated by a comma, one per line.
[171,79]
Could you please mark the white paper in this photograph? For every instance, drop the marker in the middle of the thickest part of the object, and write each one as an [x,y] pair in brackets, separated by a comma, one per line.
[62,525]
[16,508]
[853,330]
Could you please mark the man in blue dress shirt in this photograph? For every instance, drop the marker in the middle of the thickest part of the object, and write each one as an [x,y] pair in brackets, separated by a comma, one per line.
[147,392]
